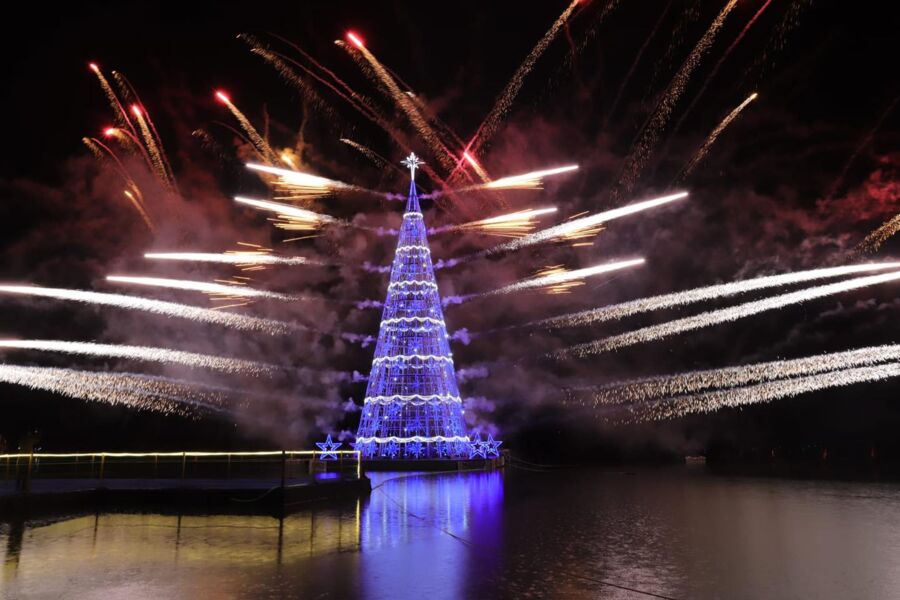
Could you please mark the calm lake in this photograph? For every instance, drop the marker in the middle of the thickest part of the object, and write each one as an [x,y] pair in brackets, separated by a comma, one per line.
[677,532]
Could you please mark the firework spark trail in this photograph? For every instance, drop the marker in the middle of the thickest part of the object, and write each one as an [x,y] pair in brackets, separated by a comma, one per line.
[635,62]
[121,115]
[409,108]
[357,101]
[373,156]
[576,227]
[504,101]
[875,239]
[555,280]
[134,196]
[238,258]
[514,224]
[526,181]
[167,174]
[219,290]
[865,141]
[160,355]
[259,143]
[136,391]
[291,218]
[302,185]
[626,309]
[724,315]
[652,129]
[167,309]
[573,230]
[718,65]
[287,73]
[759,393]
[150,144]
[704,149]
[651,388]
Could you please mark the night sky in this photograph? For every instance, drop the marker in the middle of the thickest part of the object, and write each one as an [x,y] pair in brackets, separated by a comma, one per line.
[796,182]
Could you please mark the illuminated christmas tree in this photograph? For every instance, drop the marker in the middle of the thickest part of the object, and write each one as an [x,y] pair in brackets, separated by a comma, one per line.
[412,407]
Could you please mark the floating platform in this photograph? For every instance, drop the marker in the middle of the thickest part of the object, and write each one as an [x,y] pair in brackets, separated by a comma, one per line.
[256,496]
[448,464]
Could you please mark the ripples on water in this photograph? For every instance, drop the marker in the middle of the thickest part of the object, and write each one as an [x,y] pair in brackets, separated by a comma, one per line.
[674,532]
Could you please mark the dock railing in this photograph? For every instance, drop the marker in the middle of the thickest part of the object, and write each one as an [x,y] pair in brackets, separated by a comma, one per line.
[286,466]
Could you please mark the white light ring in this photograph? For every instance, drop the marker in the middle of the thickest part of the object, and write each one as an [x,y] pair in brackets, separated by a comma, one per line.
[415,438]
[412,248]
[421,357]
[407,282]
[438,397]
[431,320]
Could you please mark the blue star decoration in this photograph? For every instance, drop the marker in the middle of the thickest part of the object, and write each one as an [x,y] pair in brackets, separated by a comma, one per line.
[492,447]
[477,448]
[328,448]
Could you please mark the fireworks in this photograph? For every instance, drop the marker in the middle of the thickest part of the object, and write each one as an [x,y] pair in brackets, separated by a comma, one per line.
[378,160]
[875,239]
[296,185]
[259,143]
[653,127]
[712,292]
[514,224]
[133,192]
[404,102]
[585,226]
[526,181]
[137,391]
[724,315]
[167,309]
[501,106]
[218,291]
[290,218]
[144,353]
[721,61]
[759,393]
[704,149]
[697,381]
[553,280]
[153,149]
[239,258]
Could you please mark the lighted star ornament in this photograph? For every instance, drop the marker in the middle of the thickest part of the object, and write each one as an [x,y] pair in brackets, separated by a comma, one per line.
[412,163]
[328,448]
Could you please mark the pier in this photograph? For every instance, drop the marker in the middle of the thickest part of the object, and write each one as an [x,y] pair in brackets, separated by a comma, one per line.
[268,482]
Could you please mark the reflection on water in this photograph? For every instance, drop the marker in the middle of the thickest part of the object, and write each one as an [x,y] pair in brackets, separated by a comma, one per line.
[570,534]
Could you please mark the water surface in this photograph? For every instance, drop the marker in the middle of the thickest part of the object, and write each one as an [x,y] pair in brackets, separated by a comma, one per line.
[675,532]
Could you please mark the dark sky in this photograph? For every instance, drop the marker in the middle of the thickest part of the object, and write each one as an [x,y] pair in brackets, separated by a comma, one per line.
[795,183]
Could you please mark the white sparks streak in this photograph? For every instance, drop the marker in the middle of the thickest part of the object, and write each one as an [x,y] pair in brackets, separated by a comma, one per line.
[168,309]
[514,224]
[759,393]
[239,258]
[715,317]
[145,353]
[292,218]
[574,229]
[651,388]
[140,392]
[533,180]
[560,277]
[641,305]
[298,184]
[217,289]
